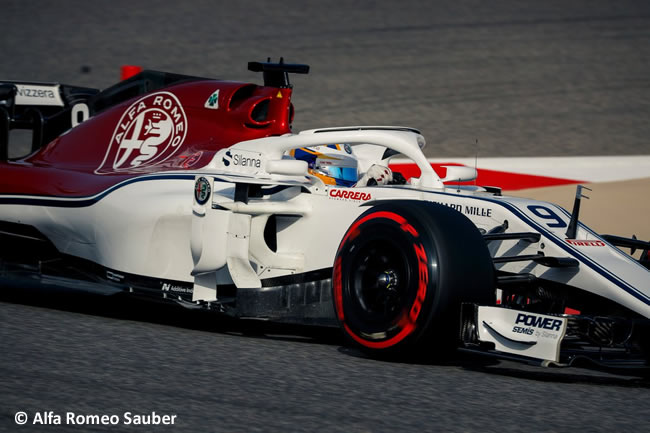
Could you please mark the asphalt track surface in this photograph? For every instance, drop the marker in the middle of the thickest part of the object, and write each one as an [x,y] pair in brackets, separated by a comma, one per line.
[537,78]
[110,358]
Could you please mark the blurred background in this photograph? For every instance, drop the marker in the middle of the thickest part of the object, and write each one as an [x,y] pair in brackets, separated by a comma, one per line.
[523,78]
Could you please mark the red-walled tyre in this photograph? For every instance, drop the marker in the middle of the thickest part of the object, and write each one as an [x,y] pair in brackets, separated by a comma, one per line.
[401,273]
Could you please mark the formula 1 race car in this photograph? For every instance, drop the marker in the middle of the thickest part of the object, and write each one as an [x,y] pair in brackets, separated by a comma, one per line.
[190,190]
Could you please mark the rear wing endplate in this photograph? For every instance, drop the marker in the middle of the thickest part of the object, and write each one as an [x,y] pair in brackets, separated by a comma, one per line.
[47,109]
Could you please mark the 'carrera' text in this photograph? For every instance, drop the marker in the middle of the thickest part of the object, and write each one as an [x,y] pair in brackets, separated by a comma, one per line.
[350,195]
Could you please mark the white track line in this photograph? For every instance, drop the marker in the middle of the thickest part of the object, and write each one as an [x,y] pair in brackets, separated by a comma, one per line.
[584,168]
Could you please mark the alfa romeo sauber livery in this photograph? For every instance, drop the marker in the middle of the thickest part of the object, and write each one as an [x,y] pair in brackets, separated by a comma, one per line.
[185,189]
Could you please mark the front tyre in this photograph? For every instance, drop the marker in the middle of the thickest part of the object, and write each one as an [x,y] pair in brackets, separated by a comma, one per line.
[401,272]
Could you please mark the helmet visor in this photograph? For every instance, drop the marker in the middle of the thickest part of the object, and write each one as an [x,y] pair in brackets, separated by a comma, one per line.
[348,174]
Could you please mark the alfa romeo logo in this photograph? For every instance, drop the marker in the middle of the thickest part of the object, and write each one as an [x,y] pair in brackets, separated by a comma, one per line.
[149,132]
[202,190]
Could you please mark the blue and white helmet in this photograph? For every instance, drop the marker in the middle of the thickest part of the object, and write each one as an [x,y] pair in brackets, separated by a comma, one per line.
[334,164]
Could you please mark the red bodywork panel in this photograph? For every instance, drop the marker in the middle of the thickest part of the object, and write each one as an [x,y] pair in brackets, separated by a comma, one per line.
[179,127]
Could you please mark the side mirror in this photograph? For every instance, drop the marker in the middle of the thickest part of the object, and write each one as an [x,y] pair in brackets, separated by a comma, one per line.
[459,173]
[287,167]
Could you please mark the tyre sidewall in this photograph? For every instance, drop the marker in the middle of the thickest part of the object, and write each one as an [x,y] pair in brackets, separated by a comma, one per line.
[444,273]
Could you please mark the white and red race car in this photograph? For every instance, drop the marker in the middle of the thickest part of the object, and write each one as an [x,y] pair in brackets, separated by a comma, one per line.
[184,188]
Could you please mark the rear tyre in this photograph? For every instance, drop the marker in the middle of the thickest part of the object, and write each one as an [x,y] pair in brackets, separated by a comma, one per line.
[401,273]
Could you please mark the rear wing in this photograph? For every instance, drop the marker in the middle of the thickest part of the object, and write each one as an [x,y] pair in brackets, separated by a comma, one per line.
[50,109]
[47,109]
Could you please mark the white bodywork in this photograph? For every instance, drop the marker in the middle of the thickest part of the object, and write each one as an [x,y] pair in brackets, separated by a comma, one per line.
[150,225]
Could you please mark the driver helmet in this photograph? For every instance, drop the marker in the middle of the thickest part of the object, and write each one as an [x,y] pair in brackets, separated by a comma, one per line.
[334,164]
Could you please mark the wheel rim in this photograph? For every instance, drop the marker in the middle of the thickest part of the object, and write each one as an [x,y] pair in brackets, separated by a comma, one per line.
[379,280]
